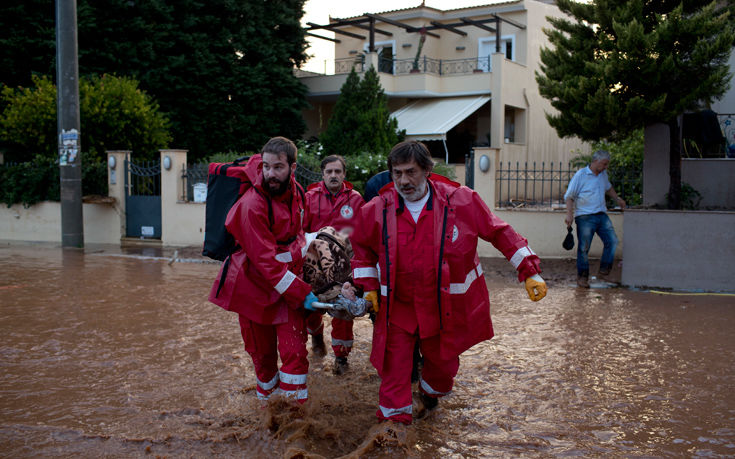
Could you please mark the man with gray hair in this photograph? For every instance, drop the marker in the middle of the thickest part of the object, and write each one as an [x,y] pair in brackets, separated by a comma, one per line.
[585,200]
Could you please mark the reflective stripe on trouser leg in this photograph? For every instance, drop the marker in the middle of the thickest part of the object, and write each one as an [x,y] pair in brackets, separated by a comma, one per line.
[260,344]
[437,375]
[395,395]
[294,362]
[342,337]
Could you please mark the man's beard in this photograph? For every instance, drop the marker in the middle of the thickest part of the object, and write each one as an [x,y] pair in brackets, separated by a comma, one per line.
[274,187]
[418,192]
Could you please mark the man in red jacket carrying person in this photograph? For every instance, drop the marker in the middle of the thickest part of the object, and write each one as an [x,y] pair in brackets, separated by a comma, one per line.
[423,232]
[332,202]
[261,280]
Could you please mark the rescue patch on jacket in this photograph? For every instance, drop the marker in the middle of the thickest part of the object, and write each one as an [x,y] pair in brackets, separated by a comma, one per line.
[346,212]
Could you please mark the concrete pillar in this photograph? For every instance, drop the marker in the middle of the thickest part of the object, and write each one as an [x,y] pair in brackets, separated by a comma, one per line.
[485,184]
[116,183]
[173,165]
[656,164]
[371,59]
[497,110]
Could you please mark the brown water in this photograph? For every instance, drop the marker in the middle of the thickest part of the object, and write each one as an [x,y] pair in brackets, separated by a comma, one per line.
[111,354]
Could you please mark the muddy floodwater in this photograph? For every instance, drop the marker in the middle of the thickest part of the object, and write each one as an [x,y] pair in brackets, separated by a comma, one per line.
[110,352]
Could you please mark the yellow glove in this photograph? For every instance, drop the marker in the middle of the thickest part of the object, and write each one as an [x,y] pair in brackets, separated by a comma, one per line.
[372,297]
[536,287]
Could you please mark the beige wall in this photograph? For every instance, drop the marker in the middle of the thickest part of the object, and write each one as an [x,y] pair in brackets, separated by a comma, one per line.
[680,250]
[714,178]
[42,223]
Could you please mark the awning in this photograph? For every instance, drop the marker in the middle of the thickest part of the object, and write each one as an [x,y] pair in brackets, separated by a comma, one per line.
[431,119]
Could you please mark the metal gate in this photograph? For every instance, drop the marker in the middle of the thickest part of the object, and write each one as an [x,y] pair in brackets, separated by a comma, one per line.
[469,169]
[143,199]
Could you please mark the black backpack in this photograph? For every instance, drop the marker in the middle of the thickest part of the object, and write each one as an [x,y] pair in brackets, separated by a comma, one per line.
[226,182]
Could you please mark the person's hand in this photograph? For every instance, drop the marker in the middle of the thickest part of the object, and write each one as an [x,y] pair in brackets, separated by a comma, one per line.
[621,202]
[372,297]
[310,298]
[536,287]
[568,220]
[349,291]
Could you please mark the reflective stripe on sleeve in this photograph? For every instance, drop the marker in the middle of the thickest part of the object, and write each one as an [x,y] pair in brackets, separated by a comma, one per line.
[292,379]
[285,282]
[459,289]
[388,412]
[284,257]
[384,290]
[520,254]
[361,273]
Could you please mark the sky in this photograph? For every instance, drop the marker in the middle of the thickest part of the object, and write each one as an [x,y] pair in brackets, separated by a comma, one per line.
[318,12]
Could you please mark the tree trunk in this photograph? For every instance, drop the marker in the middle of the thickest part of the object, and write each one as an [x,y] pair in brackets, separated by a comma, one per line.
[674,196]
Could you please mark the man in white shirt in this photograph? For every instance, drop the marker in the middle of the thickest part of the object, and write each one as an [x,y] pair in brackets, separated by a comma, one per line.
[585,199]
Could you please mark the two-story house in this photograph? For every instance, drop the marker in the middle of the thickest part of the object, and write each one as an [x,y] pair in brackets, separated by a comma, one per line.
[455,79]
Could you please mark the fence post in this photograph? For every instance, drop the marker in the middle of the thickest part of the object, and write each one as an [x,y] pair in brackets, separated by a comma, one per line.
[116,183]
[170,186]
[485,183]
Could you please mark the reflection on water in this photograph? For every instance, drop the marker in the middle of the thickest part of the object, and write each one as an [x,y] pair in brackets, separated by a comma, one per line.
[122,356]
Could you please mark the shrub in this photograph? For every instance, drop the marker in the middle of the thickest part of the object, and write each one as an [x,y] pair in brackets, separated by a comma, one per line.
[114,115]
[36,181]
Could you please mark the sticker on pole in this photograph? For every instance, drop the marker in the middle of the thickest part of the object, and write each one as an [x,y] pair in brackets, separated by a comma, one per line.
[68,146]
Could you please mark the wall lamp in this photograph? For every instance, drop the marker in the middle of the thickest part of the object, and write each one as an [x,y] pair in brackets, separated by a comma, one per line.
[167,162]
[484,163]
[111,162]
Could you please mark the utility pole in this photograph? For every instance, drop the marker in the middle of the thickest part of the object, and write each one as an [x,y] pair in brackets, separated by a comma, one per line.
[70,161]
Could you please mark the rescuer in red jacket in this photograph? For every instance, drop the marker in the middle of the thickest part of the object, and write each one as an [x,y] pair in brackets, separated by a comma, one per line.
[331,202]
[423,232]
[261,281]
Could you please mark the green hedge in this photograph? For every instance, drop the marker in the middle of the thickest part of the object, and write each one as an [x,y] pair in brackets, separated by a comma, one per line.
[37,181]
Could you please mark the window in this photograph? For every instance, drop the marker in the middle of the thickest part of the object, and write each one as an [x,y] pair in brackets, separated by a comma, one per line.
[486,48]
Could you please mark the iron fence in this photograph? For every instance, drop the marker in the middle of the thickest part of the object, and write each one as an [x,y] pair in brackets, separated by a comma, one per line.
[434,66]
[191,176]
[194,174]
[532,186]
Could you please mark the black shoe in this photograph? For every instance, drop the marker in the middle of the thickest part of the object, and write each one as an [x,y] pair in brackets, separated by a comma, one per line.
[429,402]
[340,366]
[604,271]
[317,345]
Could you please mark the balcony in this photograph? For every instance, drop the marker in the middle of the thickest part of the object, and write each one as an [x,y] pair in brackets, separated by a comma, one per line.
[405,77]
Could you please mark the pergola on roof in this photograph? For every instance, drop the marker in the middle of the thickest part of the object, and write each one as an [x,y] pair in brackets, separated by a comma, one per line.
[368,22]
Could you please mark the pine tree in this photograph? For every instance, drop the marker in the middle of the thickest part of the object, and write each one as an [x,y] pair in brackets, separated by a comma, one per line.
[361,121]
[621,65]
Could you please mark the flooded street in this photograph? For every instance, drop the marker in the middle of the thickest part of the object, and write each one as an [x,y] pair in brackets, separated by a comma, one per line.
[112,353]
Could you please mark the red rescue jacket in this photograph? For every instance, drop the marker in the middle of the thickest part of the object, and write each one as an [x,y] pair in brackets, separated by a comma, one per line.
[462,303]
[262,277]
[325,209]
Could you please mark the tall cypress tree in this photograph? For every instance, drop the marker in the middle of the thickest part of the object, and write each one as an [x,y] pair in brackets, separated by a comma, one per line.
[361,121]
[619,65]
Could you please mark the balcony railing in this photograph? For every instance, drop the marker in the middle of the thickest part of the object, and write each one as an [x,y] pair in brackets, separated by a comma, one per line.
[424,64]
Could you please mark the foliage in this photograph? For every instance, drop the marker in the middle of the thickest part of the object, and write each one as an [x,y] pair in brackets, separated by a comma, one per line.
[623,65]
[626,165]
[618,66]
[690,197]
[222,71]
[360,167]
[445,170]
[114,115]
[361,121]
[31,182]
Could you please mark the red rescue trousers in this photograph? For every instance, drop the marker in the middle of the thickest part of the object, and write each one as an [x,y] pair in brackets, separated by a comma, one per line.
[437,376]
[264,343]
[342,335]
